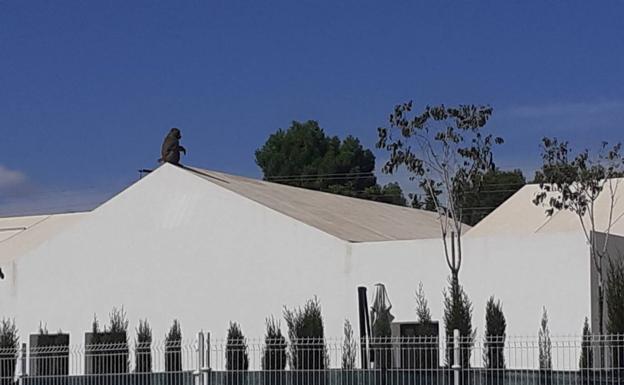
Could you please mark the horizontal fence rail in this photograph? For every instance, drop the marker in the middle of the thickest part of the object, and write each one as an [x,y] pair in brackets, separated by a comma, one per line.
[458,360]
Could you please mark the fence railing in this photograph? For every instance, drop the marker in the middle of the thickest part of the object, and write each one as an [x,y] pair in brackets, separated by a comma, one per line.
[382,361]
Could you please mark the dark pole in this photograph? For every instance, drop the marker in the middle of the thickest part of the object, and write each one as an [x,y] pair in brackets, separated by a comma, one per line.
[364,325]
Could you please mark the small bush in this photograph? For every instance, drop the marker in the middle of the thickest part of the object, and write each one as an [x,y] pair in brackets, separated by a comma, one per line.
[143,353]
[236,357]
[274,355]
[307,339]
[349,347]
[9,341]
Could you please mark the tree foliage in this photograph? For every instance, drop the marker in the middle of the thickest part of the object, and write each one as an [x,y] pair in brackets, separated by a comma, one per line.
[545,345]
[304,156]
[445,149]
[495,326]
[236,356]
[307,336]
[423,313]
[173,348]
[349,347]
[615,297]
[274,355]
[586,360]
[143,352]
[458,315]
[9,341]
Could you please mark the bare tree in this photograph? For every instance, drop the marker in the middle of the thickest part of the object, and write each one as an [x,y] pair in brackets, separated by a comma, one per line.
[574,184]
[445,149]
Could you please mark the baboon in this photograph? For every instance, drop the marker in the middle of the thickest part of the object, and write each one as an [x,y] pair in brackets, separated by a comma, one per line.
[171,148]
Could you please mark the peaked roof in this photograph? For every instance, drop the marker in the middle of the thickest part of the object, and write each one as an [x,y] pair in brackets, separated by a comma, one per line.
[350,219]
[519,216]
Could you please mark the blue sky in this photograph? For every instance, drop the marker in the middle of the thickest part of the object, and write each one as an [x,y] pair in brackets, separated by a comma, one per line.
[88,89]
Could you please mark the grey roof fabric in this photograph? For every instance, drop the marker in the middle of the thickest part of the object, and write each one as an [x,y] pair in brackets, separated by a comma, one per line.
[350,219]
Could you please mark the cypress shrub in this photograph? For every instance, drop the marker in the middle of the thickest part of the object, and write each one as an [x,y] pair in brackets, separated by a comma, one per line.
[173,354]
[306,334]
[173,348]
[494,344]
[236,357]
[143,352]
[586,361]
[458,315]
[545,351]
[274,355]
[349,347]
[9,341]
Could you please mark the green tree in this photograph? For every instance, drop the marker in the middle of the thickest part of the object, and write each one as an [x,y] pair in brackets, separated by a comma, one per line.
[173,349]
[445,149]
[423,313]
[304,156]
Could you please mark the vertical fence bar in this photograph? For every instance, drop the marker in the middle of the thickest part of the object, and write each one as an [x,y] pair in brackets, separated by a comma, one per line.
[456,362]
[201,349]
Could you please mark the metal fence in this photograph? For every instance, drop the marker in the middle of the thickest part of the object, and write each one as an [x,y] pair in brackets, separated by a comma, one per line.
[382,361]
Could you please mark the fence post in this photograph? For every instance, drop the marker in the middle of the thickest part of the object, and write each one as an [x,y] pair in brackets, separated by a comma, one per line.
[456,358]
[201,349]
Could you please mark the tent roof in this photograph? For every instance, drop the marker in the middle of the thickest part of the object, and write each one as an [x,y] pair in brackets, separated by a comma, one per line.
[519,216]
[350,219]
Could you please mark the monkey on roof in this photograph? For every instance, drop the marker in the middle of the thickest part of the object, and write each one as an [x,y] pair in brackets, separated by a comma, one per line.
[171,148]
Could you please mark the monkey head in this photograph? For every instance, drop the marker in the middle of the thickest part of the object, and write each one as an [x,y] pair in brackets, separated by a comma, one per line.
[175,132]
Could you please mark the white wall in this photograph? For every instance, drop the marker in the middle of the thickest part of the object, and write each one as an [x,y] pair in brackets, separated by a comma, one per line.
[525,273]
[177,246]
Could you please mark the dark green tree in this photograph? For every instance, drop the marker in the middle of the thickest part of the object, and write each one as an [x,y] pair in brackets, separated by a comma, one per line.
[545,345]
[423,313]
[574,183]
[304,156]
[445,149]
[236,356]
[458,315]
[494,344]
[307,336]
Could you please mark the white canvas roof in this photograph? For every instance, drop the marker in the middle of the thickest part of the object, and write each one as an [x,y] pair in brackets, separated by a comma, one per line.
[519,216]
[350,219]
